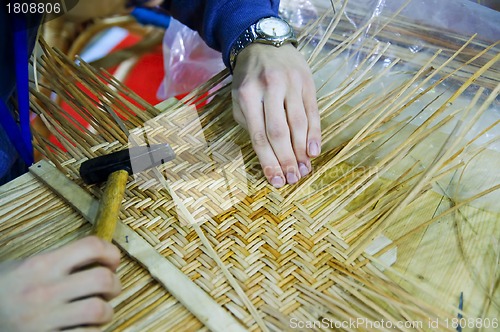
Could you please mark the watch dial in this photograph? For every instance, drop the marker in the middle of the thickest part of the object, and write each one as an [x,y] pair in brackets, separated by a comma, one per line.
[274,27]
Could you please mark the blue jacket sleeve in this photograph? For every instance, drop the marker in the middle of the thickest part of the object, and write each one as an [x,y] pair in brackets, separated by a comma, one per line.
[220,22]
[11,164]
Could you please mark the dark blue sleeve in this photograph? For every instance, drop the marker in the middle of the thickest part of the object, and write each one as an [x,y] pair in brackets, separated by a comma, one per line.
[8,155]
[11,164]
[7,75]
[220,22]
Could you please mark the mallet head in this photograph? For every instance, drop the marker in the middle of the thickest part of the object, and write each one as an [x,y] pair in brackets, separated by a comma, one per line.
[132,160]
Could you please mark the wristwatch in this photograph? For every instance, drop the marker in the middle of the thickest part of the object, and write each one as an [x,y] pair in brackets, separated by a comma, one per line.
[269,30]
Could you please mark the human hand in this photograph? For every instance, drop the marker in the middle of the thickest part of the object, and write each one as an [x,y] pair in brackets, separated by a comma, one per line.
[50,291]
[274,98]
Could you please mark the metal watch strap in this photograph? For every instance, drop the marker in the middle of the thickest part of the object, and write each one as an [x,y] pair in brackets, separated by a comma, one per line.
[247,37]
[252,34]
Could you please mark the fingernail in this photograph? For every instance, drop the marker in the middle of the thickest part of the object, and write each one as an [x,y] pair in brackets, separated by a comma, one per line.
[277,182]
[303,170]
[314,149]
[291,178]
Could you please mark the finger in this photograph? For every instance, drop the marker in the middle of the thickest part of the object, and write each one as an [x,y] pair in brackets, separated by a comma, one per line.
[248,102]
[313,118]
[90,312]
[238,115]
[89,250]
[98,281]
[297,121]
[278,132]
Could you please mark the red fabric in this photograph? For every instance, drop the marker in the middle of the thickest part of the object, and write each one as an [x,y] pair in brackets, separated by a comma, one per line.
[147,75]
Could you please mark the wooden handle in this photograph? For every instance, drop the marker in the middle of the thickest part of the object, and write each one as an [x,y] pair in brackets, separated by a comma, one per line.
[110,204]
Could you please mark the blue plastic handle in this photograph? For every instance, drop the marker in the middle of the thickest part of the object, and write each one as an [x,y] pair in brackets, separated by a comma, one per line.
[151,16]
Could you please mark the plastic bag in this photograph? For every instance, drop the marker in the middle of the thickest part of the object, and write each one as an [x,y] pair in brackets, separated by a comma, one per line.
[457,16]
[188,61]
[413,31]
[299,13]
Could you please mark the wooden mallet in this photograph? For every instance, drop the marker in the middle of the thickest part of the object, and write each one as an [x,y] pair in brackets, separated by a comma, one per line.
[115,169]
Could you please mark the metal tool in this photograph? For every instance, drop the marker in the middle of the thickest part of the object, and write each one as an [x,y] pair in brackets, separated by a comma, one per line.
[115,169]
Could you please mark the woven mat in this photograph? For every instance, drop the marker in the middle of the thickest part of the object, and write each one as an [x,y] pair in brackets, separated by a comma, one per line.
[299,253]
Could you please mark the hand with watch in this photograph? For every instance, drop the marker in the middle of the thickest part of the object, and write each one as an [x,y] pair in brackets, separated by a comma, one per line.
[274,98]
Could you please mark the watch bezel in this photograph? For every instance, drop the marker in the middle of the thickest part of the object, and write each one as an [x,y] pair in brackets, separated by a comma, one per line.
[261,32]
[265,38]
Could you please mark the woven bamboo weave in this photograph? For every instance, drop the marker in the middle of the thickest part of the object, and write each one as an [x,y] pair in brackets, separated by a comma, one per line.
[300,253]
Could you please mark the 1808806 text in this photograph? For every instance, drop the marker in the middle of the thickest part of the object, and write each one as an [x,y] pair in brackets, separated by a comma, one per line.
[36,7]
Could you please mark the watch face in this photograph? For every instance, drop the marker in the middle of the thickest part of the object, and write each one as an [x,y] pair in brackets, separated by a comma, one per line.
[274,27]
